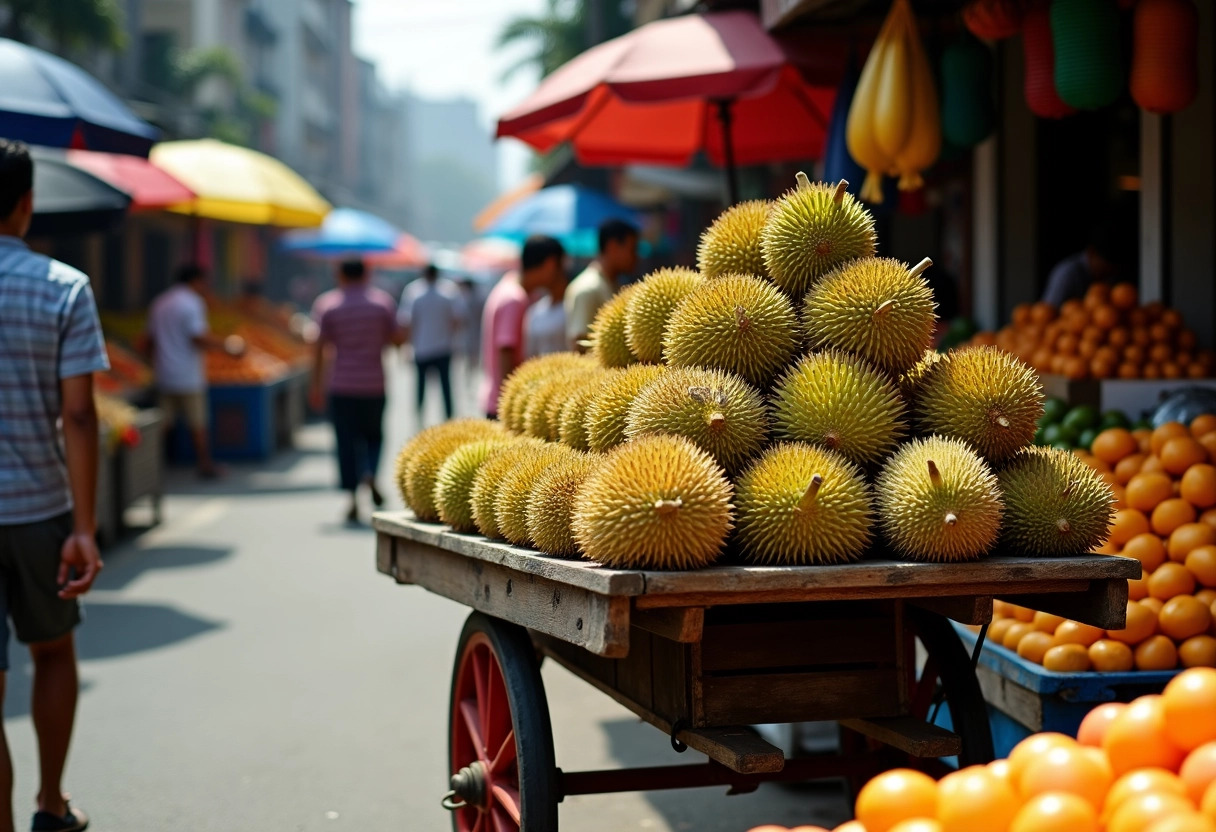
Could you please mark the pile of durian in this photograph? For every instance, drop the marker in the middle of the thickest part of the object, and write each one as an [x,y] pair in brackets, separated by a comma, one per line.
[780,405]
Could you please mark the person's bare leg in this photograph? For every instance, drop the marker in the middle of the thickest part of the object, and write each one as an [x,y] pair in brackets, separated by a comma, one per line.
[202,452]
[53,707]
[6,772]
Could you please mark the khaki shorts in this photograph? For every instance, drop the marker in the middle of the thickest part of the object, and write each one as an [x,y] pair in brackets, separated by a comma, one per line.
[192,407]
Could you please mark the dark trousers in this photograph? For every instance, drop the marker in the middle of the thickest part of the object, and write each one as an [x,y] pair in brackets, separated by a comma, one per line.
[442,366]
[359,430]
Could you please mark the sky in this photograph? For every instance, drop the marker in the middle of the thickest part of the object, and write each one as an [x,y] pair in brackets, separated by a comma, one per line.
[445,48]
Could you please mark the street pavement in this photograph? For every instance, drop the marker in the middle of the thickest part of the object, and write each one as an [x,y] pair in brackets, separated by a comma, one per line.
[244,667]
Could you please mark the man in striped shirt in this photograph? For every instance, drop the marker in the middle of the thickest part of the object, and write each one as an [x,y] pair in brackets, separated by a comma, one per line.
[50,346]
[356,322]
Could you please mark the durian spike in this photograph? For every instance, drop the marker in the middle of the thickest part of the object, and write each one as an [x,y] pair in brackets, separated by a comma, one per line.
[812,489]
[1064,526]
[921,267]
[883,308]
[951,518]
[717,421]
[741,319]
[935,476]
[666,507]
[841,187]
[803,181]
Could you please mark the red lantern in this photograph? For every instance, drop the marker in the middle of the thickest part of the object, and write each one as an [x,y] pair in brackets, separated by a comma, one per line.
[1165,62]
[1039,57]
[994,19]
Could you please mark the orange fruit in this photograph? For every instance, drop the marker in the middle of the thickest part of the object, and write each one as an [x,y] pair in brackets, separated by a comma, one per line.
[1031,748]
[1198,651]
[1113,444]
[1208,804]
[1123,296]
[1128,522]
[1067,658]
[998,628]
[1207,596]
[1097,722]
[1188,706]
[1146,490]
[1014,634]
[1199,771]
[1021,613]
[1140,811]
[1047,622]
[1156,653]
[1165,433]
[1209,516]
[1137,738]
[1203,423]
[1137,588]
[1000,769]
[1110,656]
[1069,769]
[1184,822]
[1055,812]
[1148,549]
[851,826]
[1180,453]
[1201,562]
[894,796]
[1129,466]
[1141,623]
[975,798]
[1208,441]
[1154,604]
[1170,514]
[1143,781]
[1199,485]
[1128,369]
[915,825]
[1152,465]
[1074,632]
[1187,537]
[1170,579]
[1184,616]
[1034,646]
[1145,437]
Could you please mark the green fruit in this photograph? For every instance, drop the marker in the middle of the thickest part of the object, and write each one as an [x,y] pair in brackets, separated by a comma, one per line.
[421,460]
[802,505]
[1040,436]
[1062,446]
[983,396]
[876,308]
[1142,424]
[719,412]
[517,389]
[608,342]
[738,324]
[1052,433]
[1114,419]
[649,309]
[841,403]
[489,476]
[658,502]
[454,482]
[732,244]
[1054,409]
[608,410]
[938,501]
[1086,439]
[812,230]
[511,500]
[551,505]
[1067,436]
[1081,417]
[1055,504]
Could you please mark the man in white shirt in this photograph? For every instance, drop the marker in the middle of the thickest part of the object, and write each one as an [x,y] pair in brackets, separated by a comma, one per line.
[179,335]
[545,320]
[618,244]
[432,314]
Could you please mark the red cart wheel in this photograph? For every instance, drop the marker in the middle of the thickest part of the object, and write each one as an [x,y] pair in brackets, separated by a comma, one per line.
[500,750]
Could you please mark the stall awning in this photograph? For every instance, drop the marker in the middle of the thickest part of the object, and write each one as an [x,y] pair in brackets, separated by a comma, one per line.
[148,186]
[68,199]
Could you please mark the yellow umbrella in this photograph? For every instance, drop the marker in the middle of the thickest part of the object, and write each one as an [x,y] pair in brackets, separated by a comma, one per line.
[239,185]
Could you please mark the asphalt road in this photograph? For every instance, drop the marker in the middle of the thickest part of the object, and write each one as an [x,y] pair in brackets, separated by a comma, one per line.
[245,668]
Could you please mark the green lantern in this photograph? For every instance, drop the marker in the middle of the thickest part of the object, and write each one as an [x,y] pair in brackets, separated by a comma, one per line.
[968,114]
[1089,70]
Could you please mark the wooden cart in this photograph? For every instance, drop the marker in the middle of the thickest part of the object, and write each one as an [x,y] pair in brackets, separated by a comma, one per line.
[702,655]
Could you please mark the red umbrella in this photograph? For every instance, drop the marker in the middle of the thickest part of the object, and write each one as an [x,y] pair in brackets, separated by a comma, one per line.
[715,82]
[148,186]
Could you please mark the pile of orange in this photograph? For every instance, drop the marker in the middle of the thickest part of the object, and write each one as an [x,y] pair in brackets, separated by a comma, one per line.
[1106,335]
[255,366]
[1147,766]
[280,344]
[127,371]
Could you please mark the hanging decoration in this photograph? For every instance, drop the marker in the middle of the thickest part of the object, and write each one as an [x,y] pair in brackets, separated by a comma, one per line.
[994,19]
[1039,59]
[1165,60]
[1088,63]
[894,123]
[837,163]
[968,113]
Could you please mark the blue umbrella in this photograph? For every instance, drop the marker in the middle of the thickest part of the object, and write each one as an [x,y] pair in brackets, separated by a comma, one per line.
[343,231]
[571,213]
[47,101]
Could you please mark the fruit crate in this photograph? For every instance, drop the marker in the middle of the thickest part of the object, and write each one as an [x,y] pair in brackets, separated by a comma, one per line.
[140,469]
[242,423]
[1023,698]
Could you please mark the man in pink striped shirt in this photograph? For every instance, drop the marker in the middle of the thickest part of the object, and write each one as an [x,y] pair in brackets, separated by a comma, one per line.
[357,321]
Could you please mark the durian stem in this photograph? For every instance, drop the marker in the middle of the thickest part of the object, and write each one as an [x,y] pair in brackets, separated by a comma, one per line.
[935,476]
[665,507]
[921,267]
[803,183]
[951,518]
[841,187]
[883,308]
[1002,421]
[1064,526]
[812,489]
[741,319]
[717,421]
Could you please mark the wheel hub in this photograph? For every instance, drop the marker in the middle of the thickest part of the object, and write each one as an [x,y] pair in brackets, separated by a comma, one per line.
[469,784]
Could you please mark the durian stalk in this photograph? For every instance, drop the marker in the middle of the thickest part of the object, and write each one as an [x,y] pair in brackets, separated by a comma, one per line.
[812,489]
[884,308]
[665,507]
[935,476]
[921,267]
[741,319]
[717,421]
[841,187]
[951,518]
[802,181]
[1064,526]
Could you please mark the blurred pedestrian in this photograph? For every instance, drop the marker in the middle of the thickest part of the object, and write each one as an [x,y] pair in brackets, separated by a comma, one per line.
[618,246]
[431,315]
[502,323]
[545,320]
[470,334]
[50,346]
[178,335]
[356,321]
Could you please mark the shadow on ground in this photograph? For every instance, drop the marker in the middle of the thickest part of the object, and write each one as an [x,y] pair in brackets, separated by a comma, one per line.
[124,565]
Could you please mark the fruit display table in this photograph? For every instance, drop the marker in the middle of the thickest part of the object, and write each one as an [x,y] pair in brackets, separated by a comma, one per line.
[243,423]
[702,654]
[139,469]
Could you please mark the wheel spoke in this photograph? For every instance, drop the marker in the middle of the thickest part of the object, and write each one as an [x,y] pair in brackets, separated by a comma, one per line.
[502,823]
[493,689]
[479,825]
[505,755]
[479,681]
[508,799]
[472,724]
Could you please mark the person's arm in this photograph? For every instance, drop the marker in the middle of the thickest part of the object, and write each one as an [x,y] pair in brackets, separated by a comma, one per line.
[578,321]
[316,397]
[79,558]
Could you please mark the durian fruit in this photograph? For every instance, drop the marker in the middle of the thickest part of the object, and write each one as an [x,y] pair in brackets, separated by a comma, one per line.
[538,405]
[658,502]
[454,482]
[736,323]
[984,396]
[874,307]
[839,402]
[516,389]
[572,424]
[649,309]
[608,342]
[802,505]
[551,504]
[607,412]
[568,388]
[812,230]
[721,413]
[421,458]
[909,382]
[486,482]
[938,501]
[732,244]
[1055,504]
[511,500]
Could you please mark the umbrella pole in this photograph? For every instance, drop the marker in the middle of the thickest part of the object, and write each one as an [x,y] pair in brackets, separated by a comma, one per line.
[725,117]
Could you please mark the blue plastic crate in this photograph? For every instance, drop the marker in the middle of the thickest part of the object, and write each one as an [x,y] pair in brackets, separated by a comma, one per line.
[242,423]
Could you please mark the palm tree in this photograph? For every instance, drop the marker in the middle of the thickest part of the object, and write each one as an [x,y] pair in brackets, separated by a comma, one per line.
[71,24]
[553,37]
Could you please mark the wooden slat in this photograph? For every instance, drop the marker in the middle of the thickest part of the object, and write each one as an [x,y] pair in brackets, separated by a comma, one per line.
[634,675]
[599,623]
[799,697]
[671,672]
[790,644]
[384,554]
[1103,604]
[909,734]
[1010,698]
[965,610]
[682,624]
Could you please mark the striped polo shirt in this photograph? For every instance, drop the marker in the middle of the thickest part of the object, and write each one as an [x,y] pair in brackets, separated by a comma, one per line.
[48,331]
[359,321]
